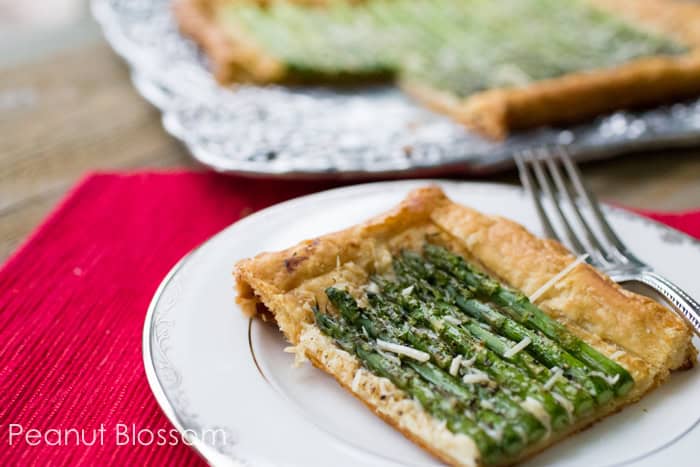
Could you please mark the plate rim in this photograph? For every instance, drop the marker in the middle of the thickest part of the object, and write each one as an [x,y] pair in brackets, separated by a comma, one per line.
[208,452]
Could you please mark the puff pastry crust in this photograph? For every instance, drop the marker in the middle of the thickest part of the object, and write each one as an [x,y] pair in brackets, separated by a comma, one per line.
[640,334]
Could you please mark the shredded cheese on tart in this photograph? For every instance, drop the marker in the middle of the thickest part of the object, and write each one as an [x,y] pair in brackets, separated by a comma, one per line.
[556,374]
[455,364]
[403,350]
[557,277]
[534,407]
[513,351]
[607,378]
[476,377]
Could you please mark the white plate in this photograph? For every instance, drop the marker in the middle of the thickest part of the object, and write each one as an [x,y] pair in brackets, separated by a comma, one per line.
[213,369]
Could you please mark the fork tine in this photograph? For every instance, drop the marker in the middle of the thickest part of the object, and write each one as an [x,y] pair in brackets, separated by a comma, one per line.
[593,246]
[573,242]
[616,246]
[529,185]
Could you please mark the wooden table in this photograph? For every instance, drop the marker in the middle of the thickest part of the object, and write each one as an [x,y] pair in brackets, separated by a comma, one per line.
[77,112]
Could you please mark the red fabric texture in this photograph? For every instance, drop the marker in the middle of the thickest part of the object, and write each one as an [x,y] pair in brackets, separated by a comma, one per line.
[687,221]
[73,299]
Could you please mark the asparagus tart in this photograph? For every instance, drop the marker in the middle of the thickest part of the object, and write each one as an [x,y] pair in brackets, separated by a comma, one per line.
[492,65]
[478,341]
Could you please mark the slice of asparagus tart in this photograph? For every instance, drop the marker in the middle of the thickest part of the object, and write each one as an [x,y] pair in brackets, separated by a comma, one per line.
[474,338]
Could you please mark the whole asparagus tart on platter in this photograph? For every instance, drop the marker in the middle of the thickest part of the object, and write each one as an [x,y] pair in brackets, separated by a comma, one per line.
[494,66]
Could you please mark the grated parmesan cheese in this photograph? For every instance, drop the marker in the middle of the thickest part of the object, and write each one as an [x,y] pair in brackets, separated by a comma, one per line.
[385,387]
[468,363]
[475,377]
[494,433]
[391,357]
[356,380]
[407,291]
[611,380]
[556,374]
[566,403]
[403,350]
[534,407]
[299,354]
[372,287]
[452,320]
[454,366]
[513,351]
[557,277]
[382,259]
[617,354]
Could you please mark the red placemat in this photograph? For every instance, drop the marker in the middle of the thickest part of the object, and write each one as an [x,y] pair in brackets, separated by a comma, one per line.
[74,297]
[686,221]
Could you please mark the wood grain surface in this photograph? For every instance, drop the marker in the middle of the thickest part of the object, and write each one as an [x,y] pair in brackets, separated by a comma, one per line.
[77,112]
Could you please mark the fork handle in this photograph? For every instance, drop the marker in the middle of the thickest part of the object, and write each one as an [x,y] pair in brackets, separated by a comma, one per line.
[681,301]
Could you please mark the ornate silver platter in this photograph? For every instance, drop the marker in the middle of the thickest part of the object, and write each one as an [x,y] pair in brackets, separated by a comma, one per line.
[315,132]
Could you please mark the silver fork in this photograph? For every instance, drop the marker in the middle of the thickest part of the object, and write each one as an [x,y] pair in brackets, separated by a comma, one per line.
[558,179]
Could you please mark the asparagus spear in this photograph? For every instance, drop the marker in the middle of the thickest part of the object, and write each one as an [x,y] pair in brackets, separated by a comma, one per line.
[580,400]
[527,313]
[409,330]
[515,428]
[523,423]
[458,342]
[581,403]
[515,379]
[548,351]
[454,413]
[545,349]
